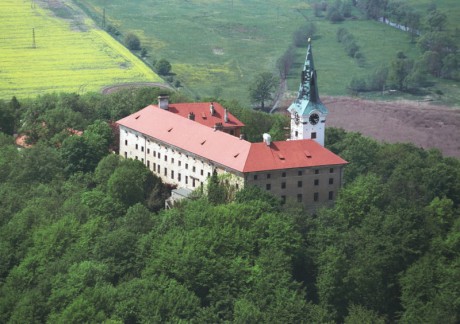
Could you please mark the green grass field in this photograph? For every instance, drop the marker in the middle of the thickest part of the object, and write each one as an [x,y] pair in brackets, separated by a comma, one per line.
[217,46]
[69,55]
[214,46]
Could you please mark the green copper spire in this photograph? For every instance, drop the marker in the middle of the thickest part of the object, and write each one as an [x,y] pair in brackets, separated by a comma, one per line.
[308,99]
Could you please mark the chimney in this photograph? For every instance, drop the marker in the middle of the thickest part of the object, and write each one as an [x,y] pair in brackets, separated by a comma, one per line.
[226,116]
[163,102]
[191,116]
[211,108]
[267,139]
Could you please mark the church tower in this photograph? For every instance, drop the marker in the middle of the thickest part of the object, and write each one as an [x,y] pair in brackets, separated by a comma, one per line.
[308,114]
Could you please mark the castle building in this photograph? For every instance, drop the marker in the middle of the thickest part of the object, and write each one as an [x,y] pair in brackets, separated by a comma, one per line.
[186,143]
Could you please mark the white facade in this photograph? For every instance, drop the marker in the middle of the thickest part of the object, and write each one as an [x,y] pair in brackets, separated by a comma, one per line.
[173,165]
[308,127]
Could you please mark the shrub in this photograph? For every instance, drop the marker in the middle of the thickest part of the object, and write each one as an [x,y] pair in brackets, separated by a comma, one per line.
[341,33]
[112,30]
[357,85]
[163,67]
[303,33]
[132,42]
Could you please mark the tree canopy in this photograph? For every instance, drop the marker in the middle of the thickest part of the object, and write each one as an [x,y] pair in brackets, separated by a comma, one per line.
[95,245]
[261,89]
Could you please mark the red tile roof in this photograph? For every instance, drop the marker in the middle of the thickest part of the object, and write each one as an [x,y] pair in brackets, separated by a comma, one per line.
[288,155]
[226,149]
[184,133]
[203,114]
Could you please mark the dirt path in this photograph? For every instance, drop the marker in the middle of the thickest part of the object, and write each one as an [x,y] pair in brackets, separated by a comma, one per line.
[118,87]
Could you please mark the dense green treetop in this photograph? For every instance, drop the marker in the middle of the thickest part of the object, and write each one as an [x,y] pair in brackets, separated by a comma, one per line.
[84,238]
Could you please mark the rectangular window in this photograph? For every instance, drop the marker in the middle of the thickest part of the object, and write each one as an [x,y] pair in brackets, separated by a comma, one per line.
[172,174]
[142,160]
[296,133]
[186,166]
[137,146]
[255,176]
[148,151]
[283,199]
[316,196]
[313,135]
[193,183]
[331,170]
[202,172]
[331,195]
[154,167]
[166,172]
[166,158]
[154,154]
[179,162]
[158,168]
[137,158]
[299,197]
[126,154]
[283,185]
[194,169]
[316,171]
[142,149]
[209,174]
[331,180]
[186,179]
[283,174]
[299,173]
[268,186]
[268,175]
[159,155]
[316,182]
[299,184]
[126,142]
[178,177]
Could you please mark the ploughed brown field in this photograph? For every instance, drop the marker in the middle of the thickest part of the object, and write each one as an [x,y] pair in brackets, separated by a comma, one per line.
[421,123]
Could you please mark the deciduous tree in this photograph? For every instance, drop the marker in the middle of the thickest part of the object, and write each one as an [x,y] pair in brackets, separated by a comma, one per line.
[260,91]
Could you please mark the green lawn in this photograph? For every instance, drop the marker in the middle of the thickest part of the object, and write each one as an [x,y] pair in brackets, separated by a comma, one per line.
[217,47]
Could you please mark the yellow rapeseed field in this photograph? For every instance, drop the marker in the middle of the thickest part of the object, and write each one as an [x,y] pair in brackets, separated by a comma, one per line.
[70,55]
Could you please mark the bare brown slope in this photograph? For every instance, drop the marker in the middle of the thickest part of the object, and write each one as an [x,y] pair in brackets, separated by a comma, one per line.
[425,125]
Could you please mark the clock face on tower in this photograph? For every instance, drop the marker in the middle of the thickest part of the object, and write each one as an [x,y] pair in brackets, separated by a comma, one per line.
[314,119]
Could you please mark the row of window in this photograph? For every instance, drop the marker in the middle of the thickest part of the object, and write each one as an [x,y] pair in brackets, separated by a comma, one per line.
[313,134]
[158,155]
[284,174]
[268,186]
[315,197]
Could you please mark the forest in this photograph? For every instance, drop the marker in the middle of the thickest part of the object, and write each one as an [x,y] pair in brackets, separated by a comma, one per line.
[84,236]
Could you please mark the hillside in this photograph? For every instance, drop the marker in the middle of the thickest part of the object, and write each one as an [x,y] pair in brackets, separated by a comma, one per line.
[218,47]
[52,46]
